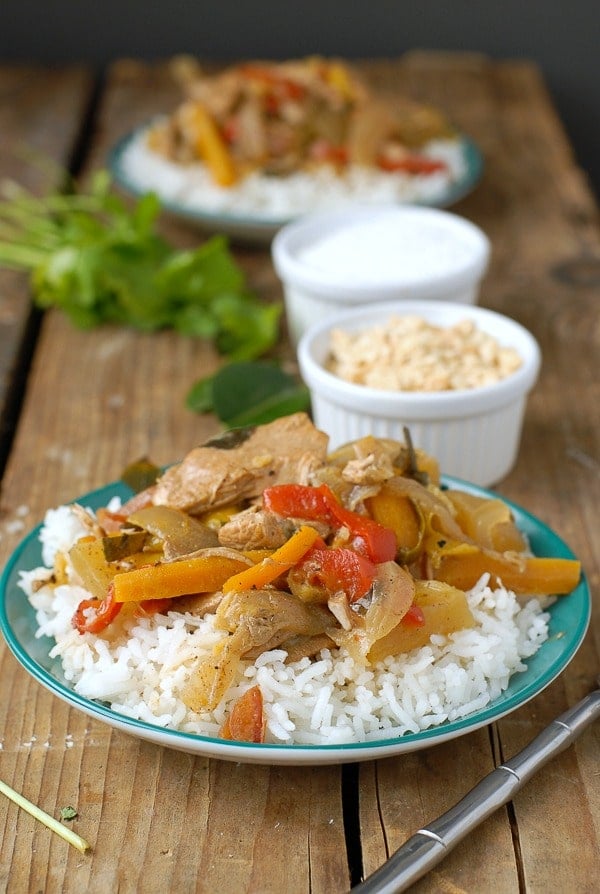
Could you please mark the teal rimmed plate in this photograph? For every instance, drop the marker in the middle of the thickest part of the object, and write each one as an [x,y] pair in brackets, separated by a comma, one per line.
[570,616]
[260,228]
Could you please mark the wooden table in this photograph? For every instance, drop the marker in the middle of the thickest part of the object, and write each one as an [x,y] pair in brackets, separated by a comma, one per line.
[77,406]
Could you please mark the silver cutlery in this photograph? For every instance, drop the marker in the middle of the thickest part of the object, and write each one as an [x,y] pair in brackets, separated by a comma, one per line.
[428,846]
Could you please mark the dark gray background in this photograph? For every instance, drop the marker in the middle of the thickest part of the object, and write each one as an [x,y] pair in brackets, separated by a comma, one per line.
[562,37]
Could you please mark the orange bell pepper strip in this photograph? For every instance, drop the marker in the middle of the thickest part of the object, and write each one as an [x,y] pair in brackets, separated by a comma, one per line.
[276,564]
[400,515]
[203,574]
[152,586]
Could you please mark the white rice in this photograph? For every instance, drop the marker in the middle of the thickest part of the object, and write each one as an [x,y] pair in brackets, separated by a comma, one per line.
[191,187]
[140,665]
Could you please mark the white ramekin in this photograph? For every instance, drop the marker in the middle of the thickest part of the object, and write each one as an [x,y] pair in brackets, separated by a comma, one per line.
[458,254]
[473,433]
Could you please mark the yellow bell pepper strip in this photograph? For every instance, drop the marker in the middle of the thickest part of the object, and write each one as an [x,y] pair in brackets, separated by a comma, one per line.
[202,574]
[403,517]
[210,144]
[338,76]
[320,504]
[276,564]
[462,565]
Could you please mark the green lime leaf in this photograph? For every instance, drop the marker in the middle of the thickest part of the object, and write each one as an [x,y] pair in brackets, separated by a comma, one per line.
[248,393]
[291,400]
[199,398]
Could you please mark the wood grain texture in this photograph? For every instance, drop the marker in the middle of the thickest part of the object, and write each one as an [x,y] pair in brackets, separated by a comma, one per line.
[163,821]
[537,209]
[41,114]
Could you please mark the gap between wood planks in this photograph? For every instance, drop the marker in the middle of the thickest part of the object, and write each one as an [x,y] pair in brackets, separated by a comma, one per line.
[351,814]
[15,394]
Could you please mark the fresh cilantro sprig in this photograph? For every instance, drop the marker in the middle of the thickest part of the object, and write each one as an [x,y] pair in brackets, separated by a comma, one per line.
[102,261]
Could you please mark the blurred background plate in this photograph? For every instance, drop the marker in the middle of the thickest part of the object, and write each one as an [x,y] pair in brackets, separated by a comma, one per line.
[260,228]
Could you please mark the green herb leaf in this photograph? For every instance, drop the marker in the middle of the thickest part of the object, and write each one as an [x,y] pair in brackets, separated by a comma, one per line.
[290,400]
[100,261]
[248,393]
[199,398]
[140,474]
[68,813]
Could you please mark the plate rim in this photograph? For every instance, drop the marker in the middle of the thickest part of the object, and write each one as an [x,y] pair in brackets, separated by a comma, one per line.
[273,753]
[267,226]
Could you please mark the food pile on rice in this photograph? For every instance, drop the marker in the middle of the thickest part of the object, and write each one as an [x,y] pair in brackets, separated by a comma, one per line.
[264,590]
[282,138]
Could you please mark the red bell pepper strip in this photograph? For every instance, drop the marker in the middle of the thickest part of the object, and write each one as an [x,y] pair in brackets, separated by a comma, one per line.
[319,503]
[414,617]
[324,151]
[94,615]
[339,569]
[411,164]
[247,720]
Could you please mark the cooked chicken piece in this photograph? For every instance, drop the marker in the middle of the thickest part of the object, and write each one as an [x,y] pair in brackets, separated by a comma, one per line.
[264,619]
[252,131]
[366,462]
[255,528]
[371,469]
[298,647]
[365,446]
[242,463]
[198,604]
[257,620]
[219,94]
[370,125]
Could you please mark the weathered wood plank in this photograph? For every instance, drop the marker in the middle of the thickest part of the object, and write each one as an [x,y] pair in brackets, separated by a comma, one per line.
[535,205]
[409,792]
[165,822]
[40,118]
[162,821]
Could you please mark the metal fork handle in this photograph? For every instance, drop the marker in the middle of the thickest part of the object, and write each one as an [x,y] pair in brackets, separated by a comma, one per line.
[428,847]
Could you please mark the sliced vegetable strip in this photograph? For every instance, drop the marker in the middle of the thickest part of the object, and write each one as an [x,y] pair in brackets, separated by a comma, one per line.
[276,564]
[209,143]
[339,570]
[463,565]
[203,574]
[94,615]
[320,504]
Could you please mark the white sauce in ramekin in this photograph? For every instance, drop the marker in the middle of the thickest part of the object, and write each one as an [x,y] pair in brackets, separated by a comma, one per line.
[413,249]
